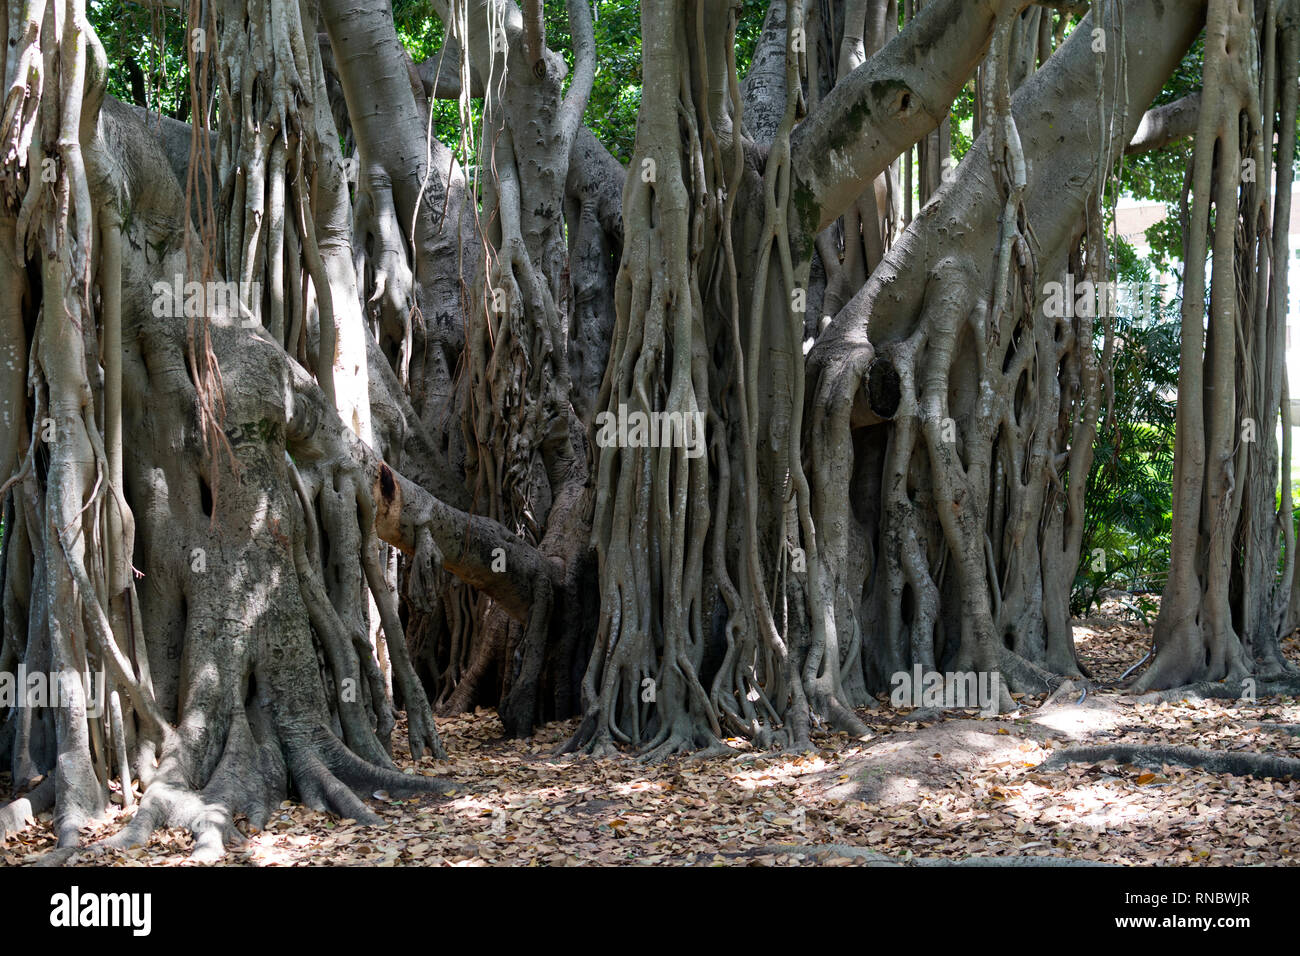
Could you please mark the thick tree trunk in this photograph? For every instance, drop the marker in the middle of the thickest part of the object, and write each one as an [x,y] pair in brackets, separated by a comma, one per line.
[203,525]
[1220,617]
[979,475]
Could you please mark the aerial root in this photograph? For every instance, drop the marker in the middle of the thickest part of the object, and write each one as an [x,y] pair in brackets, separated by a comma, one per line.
[1292,729]
[678,743]
[323,791]
[843,719]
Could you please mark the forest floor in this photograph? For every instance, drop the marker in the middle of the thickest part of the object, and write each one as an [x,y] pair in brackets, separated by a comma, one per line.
[926,788]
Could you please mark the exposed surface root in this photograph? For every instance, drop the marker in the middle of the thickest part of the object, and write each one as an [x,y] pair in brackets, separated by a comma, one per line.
[1242,688]
[17,814]
[1240,764]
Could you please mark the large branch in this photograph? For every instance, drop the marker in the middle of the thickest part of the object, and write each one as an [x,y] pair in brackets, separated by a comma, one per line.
[1061,176]
[887,105]
[427,187]
[440,74]
[1163,125]
[534,35]
[582,30]
[470,546]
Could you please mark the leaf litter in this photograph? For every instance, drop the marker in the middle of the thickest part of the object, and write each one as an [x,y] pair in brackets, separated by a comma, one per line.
[922,785]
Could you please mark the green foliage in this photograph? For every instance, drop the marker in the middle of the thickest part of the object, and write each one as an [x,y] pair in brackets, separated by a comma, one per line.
[146,54]
[616,93]
[962,122]
[1129,501]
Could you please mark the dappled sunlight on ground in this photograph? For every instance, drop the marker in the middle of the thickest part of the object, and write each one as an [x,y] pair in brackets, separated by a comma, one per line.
[923,784]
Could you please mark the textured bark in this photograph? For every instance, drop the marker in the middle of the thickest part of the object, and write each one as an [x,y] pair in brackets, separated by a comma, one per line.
[1166,124]
[376,479]
[242,656]
[963,549]
[767,576]
[1221,616]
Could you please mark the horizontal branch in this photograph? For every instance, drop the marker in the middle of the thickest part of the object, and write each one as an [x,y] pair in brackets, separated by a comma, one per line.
[472,547]
[440,74]
[1166,124]
[470,544]
[1060,180]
